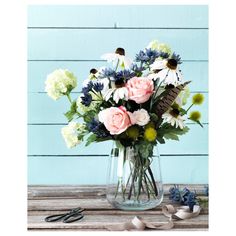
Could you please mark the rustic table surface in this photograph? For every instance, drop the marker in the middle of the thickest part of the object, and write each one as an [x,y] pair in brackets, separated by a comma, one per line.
[47,200]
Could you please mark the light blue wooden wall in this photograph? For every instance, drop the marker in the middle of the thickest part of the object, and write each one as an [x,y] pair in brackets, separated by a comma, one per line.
[74,37]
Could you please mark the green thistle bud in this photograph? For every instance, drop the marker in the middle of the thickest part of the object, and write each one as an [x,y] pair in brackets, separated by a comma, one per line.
[195,116]
[198,99]
[132,132]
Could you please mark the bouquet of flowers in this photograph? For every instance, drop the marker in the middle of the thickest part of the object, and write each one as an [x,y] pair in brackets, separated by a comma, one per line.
[135,103]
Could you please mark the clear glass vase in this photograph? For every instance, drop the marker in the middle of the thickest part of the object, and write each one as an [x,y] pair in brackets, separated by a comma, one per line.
[133,182]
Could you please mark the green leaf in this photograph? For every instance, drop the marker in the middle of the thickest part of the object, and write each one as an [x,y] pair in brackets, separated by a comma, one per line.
[171,136]
[73,111]
[154,117]
[91,139]
[160,139]
[88,116]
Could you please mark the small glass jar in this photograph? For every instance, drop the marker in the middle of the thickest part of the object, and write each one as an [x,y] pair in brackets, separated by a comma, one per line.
[133,182]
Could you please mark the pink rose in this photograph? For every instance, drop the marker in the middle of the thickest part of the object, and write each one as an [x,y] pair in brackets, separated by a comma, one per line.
[115,119]
[139,117]
[140,89]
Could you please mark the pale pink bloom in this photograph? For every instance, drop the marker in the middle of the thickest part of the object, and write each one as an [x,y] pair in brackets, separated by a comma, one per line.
[115,119]
[140,89]
[139,117]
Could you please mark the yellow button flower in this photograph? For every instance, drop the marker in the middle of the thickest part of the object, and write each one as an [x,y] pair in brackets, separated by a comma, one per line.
[198,99]
[195,116]
[150,134]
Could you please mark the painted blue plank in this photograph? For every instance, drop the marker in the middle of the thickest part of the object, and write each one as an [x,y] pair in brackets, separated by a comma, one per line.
[77,170]
[47,140]
[196,71]
[42,109]
[123,16]
[91,44]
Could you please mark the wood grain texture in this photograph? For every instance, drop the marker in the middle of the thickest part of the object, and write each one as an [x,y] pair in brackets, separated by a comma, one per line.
[74,37]
[76,43]
[185,16]
[47,200]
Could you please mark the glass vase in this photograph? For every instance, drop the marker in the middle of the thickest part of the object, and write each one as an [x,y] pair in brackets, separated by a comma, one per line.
[133,181]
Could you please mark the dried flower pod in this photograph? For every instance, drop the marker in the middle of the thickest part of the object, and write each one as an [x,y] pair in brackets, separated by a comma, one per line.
[120,51]
[168,98]
[93,71]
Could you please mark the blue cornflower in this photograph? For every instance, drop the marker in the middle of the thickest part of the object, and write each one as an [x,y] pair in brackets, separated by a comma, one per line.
[124,74]
[137,69]
[141,56]
[149,55]
[152,55]
[87,88]
[164,55]
[86,99]
[107,73]
[98,87]
[176,57]
[98,128]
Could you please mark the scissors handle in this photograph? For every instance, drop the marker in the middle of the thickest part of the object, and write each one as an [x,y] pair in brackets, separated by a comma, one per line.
[73,217]
[54,218]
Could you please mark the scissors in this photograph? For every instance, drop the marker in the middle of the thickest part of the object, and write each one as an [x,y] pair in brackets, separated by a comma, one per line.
[73,215]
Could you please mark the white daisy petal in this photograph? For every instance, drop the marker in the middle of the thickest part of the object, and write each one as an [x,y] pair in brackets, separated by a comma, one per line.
[110,57]
[158,65]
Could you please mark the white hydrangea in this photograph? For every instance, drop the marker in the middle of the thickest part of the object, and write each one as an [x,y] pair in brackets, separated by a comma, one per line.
[155,45]
[70,133]
[59,82]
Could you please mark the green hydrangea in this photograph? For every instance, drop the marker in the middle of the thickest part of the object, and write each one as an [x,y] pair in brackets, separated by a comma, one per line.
[155,45]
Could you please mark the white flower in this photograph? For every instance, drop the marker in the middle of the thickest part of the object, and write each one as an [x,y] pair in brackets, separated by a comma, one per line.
[162,47]
[70,133]
[124,61]
[169,72]
[60,82]
[118,93]
[174,119]
[139,117]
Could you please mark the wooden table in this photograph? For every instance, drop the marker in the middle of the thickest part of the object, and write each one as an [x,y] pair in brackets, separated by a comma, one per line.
[48,200]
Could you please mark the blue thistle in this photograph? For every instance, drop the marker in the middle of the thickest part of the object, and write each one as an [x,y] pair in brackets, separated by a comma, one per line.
[98,87]
[107,73]
[124,74]
[142,57]
[88,87]
[176,57]
[86,99]
[98,128]
[136,68]
[184,197]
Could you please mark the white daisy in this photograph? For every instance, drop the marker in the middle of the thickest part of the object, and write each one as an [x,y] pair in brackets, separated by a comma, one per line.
[119,55]
[168,71]
[172,117]
[118,93]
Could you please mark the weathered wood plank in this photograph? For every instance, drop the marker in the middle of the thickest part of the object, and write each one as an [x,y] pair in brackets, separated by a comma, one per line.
[97,191]
[48,200]
[67,204]
[102,221]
